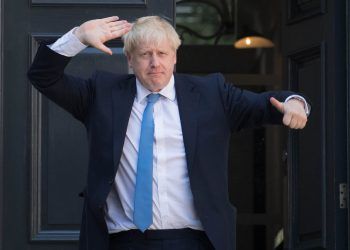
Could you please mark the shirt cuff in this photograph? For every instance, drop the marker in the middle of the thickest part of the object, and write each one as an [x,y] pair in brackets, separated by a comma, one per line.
[68,45]
[307,106]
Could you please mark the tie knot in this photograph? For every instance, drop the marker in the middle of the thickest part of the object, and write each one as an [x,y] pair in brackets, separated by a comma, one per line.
[153,98]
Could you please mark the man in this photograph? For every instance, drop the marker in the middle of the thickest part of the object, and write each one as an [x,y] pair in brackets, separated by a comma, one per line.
[158,141]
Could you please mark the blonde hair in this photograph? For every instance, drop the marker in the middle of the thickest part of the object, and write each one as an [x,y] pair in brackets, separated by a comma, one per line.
[150,29]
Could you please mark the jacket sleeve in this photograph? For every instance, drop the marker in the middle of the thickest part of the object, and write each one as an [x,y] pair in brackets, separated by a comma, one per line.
[71,93]
[246,109]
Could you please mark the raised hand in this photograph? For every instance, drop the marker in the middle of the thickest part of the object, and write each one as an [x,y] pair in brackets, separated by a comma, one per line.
[98,31]
[294,112]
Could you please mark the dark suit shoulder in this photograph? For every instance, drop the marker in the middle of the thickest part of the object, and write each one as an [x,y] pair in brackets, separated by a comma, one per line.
[203,82]
[106,78]
[109,76]
[200,79]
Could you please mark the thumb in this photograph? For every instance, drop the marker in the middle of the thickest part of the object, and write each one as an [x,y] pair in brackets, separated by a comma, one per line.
[104,48]
[277,104]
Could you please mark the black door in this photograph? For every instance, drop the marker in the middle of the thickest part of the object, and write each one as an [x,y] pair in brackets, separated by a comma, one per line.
[44,149]
[314,51]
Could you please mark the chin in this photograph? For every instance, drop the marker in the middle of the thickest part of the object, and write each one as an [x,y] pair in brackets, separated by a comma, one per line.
[156,86]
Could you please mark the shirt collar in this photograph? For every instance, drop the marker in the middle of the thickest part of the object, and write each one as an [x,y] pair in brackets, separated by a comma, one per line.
[168,91]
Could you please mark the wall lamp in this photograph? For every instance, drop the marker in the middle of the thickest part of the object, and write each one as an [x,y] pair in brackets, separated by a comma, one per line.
[226,10]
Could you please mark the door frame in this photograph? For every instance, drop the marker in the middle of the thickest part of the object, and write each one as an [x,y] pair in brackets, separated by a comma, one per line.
[2,115]
[348,112]
[1,122]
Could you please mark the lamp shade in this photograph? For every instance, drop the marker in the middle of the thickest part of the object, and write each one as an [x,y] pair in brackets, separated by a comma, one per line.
[249,38]
[254,41]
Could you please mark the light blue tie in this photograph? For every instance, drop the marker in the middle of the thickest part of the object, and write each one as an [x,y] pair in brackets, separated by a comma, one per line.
[143,191]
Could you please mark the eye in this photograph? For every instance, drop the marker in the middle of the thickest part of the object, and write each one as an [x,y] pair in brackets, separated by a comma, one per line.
[144,54]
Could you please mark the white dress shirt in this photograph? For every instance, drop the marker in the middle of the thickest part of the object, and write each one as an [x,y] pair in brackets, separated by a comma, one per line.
[173,205]
[172,197]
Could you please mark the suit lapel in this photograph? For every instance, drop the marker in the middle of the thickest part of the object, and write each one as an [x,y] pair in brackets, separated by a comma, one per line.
[123,95]
[188,100]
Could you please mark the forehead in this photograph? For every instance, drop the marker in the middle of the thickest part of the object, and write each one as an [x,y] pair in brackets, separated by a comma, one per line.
[154,45]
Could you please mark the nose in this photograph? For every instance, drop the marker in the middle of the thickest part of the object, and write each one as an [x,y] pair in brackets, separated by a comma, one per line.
[154,61]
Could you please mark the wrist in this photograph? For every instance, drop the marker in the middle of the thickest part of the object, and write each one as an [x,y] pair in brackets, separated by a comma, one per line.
[79,34]
[302,101]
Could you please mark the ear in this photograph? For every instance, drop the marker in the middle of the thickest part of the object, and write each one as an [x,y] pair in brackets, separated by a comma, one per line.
[129,58]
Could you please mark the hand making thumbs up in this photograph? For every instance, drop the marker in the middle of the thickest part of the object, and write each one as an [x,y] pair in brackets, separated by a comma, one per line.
[294,112]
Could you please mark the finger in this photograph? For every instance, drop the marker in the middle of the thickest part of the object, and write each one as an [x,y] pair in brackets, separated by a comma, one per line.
[299,126]
[277,104]
[117,23]
[110,19]
[301,120]
[293,123]
[302,123]
[104,49]
[286,119]
[305,122]
[119,27]
[120,32]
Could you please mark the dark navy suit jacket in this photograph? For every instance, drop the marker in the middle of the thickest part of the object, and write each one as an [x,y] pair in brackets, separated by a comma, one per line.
[210,110]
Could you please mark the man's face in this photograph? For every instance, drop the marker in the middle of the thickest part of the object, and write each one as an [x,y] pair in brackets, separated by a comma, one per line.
[153,64]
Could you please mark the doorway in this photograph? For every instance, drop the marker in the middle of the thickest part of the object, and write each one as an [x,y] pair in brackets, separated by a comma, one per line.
[327,21]
[256,169]
[291,181]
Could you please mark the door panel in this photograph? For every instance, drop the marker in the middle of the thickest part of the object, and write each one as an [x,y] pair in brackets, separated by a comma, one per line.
[306,162]
[348,109]
[314,65]
[46,151]
[59,152]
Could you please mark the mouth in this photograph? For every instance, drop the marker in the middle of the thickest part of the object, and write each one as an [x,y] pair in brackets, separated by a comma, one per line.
[155,73]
